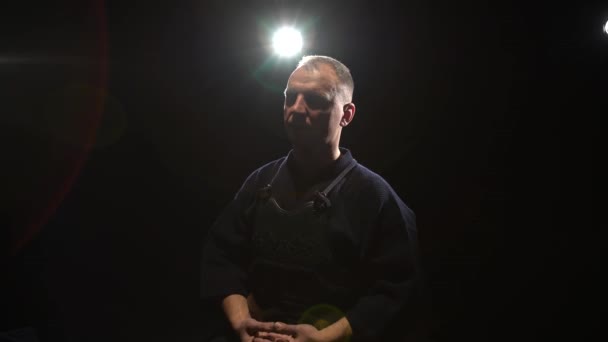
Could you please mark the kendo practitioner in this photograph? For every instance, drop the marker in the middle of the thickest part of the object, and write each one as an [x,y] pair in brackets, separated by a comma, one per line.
[314,246]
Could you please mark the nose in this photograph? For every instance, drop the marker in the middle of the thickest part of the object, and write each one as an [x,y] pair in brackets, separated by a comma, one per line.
[299,106]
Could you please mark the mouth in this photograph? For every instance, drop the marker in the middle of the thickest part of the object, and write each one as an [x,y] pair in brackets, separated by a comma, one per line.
[298,122]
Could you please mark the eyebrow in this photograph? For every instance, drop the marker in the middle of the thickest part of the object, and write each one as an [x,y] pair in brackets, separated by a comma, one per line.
[326,94]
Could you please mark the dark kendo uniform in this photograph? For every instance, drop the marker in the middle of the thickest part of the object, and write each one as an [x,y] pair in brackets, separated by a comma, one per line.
[346,247]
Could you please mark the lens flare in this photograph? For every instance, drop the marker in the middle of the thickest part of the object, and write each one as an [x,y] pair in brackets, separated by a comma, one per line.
[287,42]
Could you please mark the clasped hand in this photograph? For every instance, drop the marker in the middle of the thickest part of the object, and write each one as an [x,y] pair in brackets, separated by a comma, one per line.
[252,330]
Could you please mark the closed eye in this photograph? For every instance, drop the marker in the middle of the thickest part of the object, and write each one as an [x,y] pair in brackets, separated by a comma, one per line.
[313,100]
[290,99]
[316,101]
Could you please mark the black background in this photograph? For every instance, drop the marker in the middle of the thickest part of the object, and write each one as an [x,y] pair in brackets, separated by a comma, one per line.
[482,117]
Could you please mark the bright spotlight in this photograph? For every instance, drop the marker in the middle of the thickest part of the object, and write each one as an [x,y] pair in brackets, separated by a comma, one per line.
[287,41]
[606,28]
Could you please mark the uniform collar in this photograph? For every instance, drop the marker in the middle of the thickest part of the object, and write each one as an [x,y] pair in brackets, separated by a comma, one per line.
[328,172]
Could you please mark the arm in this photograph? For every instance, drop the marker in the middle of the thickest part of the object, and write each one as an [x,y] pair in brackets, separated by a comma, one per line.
[236,309]
[225,252]
[337,332]
[224,263]
[223,283]
[389,263]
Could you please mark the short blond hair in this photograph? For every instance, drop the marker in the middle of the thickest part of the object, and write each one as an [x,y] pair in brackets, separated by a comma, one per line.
[342,72]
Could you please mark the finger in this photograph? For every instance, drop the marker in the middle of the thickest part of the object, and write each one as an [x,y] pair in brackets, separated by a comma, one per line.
[260,326]
[276,337]
[286,329]
[260,339]
[284,338]
[273,336]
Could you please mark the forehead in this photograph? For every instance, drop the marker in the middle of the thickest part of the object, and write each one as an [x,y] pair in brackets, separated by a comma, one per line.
[319,78]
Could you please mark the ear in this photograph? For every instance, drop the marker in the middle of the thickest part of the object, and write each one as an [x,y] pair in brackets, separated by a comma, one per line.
[348,113]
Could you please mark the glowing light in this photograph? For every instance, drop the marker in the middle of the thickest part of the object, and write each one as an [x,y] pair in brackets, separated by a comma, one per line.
[321,316]
[287,41]
[606,27]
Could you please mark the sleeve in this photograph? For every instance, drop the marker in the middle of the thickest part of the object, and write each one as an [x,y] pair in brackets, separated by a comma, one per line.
[390,264]
[225,251]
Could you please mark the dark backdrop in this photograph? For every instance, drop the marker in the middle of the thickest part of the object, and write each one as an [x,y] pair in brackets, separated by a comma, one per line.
[126,127]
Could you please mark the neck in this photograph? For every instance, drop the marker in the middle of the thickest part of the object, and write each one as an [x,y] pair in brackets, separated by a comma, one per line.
[315,158]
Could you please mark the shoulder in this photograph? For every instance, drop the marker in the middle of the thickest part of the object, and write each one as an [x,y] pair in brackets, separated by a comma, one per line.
[261,176]
[375,189]
[369,182]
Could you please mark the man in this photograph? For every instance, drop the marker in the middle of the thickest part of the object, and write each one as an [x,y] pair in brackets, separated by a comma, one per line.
[314,246]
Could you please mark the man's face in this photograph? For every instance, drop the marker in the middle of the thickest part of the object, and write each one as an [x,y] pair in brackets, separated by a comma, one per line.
[312,110]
